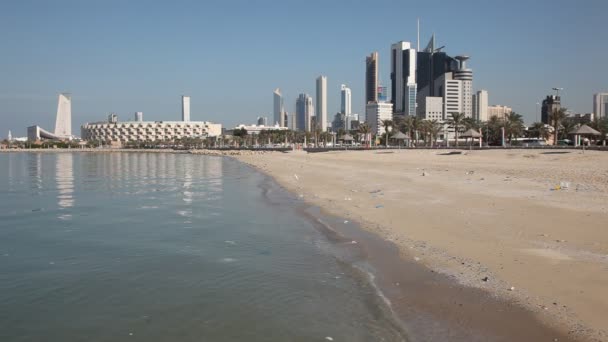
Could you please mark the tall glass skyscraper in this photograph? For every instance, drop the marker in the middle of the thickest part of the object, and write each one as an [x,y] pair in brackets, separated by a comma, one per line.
[371,78]
[403,78]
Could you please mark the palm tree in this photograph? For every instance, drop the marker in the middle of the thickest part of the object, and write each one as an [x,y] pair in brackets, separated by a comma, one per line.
[387,124]
[556,117]
[456,121]
[601,125]
[365,130]
[514,125]
[540,130]
[435,127]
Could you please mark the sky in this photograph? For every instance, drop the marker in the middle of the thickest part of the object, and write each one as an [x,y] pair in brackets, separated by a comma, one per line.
[229,55]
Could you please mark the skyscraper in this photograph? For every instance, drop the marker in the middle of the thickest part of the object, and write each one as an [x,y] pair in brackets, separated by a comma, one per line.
[139,116]
[322,103]
[304,113]
[550,104]
[600,105]
[465,75]
[186,108]
[453,98]
[403,78]
[345,106]
[433,69]
[375,113]
[371,78]
[480,106]
[63,121]
[278,111]
[262,121]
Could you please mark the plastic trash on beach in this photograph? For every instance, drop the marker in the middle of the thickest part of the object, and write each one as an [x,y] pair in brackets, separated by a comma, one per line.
[379,206]
[296,176]
[564,185]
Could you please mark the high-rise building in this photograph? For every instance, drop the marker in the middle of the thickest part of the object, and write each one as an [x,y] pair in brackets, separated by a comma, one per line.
[550,104]
[345,100]
[339,122]
[403,78]
[278,110]
[432,107]
[304,113]
[371,78]
[499,111]
[465,75]
[10,136]
[600,105]
[322,103]
[139,116]
[433,69]
[375,113]
[480,106]
[63,121]
[453,98]
[382,93]
[186,108]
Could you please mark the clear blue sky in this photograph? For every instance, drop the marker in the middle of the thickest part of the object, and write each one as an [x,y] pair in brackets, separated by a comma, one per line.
[229,55]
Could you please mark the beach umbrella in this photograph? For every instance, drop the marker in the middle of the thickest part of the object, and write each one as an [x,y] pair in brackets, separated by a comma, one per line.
[471,133]
[399,136]
[584,130]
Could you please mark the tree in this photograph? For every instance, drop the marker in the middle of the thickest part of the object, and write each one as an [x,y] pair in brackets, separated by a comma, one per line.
[556,117]
[387,124]
[514,125]
[241,135]
[456,121]
[601,125]
[365,130]
[567,126]
[435,127]
[540,131]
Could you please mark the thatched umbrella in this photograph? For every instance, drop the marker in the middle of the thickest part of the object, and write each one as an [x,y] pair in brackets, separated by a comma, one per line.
[399,136]
[347,137]
[471,133]
[582,131]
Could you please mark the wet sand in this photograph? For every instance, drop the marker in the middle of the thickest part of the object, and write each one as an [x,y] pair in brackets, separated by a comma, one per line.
[434,227]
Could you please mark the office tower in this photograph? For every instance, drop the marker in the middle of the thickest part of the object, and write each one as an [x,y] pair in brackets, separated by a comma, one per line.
[186,108]
[10,136]
[63,121]
[600,105]
[338,122]
[432,108]
[278,110]
[371,78]
[452,98]
[403,78]
[480,106]
[382,93]
[322,103]
[292,121]
[139,116]
[304,113]
[375,113]
[465,75]
[550,104]
[345,103]
[434,67]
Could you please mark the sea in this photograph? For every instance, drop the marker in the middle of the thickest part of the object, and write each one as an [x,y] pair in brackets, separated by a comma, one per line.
[171,247]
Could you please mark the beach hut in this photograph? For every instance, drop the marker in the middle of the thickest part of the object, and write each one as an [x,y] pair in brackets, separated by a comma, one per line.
[584,130]
[471,133]
[347,137]
[399,136]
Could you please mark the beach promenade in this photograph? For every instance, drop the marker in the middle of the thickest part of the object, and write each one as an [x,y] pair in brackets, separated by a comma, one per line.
[527,226]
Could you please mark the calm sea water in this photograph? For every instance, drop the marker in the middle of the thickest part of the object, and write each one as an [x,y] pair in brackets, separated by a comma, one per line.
[168,247]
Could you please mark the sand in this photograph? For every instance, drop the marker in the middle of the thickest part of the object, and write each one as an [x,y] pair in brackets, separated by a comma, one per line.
[494,214]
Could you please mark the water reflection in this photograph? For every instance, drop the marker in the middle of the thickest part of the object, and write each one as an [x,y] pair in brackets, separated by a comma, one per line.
[64,179]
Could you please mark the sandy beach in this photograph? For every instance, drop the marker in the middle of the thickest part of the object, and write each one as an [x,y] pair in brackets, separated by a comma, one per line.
[528,227]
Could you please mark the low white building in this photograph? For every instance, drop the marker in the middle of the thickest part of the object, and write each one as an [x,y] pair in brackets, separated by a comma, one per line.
[375,113]
[122,132]
[256,129]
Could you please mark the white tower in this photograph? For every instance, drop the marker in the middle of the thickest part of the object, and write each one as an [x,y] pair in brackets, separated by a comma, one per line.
[403,76]
[322,103]
[63,121]
[345,107]
[139,116]
[10,136]
[278,110]
[466,76]
[186,108]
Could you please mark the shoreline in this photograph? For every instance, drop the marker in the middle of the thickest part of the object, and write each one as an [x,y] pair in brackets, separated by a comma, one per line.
[556,317]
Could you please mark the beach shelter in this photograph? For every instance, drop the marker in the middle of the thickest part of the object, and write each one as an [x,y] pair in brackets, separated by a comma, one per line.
[471,133]
[399,136]
[584,130]
[347,137]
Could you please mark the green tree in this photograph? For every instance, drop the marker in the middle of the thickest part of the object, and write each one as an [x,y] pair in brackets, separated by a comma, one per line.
[556,117]
[456,121]
[601,125]
[514,125]
[387,124]
[364,130]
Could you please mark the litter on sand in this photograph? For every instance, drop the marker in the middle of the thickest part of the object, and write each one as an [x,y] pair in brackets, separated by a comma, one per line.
[379,206]
[296,176]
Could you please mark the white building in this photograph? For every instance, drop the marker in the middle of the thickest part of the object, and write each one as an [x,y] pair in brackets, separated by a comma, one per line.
[499,111]
[278,110]
[600,105]
[185,108]
[346,102]
[375,113]
[452,98]
[480,106]
[432,108]
[305,110]
[465,75]
[139,116]
[403,77]
[256,129]
[321,108]
[123,132]
[63,121]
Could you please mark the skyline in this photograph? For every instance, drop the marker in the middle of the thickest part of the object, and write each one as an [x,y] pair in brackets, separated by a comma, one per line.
[195,53]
